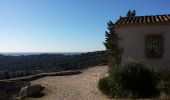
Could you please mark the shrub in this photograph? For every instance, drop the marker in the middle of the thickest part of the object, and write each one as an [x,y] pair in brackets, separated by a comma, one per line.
[137,79]
[164,83]
[105,86]
[110,88]
[132,80]
[164,87]
[164,73]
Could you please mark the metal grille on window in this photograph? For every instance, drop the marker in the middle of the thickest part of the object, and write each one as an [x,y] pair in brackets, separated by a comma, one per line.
[154,46]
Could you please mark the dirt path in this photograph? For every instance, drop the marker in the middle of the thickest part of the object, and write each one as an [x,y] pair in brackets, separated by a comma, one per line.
[77,87]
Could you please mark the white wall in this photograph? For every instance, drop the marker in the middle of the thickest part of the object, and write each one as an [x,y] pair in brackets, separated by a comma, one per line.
[133,41]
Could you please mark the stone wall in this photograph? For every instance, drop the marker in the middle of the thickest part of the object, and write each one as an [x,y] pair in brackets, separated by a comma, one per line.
[37,76]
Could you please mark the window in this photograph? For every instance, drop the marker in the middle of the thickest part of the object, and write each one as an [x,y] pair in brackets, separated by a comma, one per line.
[154,46]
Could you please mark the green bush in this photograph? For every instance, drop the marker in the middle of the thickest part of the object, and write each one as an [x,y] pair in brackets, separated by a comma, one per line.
[105,86]
[164,73]
[137,79]
[164,83]
[164,87]
[132,80]
[110,88]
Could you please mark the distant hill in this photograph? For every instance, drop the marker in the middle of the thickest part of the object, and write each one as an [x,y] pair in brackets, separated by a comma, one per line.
[16,66]
[36,53]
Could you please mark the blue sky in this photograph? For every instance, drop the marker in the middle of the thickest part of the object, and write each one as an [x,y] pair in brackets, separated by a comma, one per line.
[64,25]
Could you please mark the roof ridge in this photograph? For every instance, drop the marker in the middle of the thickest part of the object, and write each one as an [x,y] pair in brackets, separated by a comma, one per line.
[147,19]
[146,15]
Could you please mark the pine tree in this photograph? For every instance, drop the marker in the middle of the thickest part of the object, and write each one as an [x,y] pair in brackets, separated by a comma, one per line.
[131,13]
[111,44]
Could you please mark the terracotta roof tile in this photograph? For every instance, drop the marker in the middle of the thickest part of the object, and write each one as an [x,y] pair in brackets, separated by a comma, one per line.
[143,19]
[165,18]
[168,17]
[152,19]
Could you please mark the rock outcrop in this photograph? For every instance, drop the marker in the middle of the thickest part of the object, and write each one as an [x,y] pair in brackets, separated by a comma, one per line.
[30,90]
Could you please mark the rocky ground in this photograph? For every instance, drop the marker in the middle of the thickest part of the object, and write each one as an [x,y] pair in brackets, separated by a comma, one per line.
[76,87]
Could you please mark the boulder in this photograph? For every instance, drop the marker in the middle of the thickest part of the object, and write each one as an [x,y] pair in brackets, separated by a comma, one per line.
[31,90]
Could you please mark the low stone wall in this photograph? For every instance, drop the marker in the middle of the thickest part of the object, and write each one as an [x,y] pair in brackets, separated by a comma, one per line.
[37,76]
[64,73]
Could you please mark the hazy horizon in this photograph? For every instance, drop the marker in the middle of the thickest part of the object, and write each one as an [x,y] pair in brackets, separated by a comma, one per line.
[65,25]
[38,53]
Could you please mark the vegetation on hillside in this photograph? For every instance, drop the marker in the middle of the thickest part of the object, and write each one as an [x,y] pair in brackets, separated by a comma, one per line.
[17,66]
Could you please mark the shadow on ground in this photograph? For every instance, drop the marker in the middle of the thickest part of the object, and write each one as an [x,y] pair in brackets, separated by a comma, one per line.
[38,95]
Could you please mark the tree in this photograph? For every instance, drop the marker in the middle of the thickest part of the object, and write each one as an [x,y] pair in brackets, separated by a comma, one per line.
[131,13]
[6,75]
[111,44]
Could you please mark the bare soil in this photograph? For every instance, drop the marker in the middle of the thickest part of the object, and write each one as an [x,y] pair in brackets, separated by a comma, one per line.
[75,87]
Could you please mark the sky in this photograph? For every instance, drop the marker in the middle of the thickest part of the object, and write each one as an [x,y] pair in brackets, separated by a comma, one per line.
[65,25]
